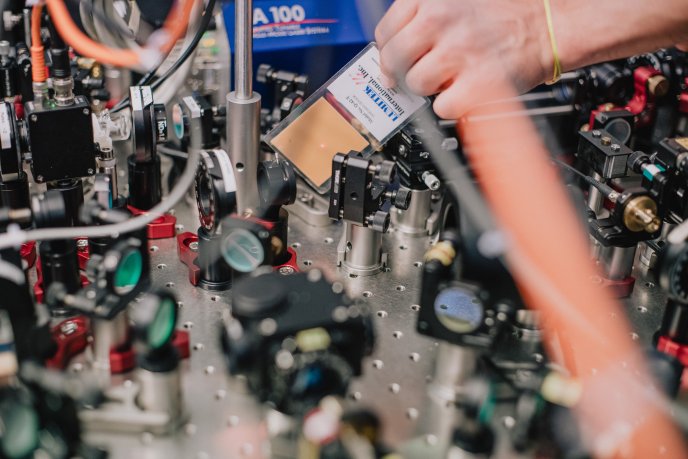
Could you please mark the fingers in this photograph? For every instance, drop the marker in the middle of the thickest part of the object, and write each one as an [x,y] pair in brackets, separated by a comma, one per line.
[455,101]
[403,50]
[432,72]
[399,15]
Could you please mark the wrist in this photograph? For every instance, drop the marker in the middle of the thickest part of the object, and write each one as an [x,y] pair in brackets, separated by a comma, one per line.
[569,48]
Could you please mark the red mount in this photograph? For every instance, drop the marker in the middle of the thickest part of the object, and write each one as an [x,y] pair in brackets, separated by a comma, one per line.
[181,342]
[683,98]
[680,351]
[642,104]
[187,250]
[160,228]
[620,288]
[71,337]
[28,253]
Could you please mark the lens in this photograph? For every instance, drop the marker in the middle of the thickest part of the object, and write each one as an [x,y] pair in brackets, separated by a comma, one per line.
[242,250]
[128,272]
[317,380]
[161,329]
[459,310]
[205,199]
[620,129]
[20,436]
[178,121]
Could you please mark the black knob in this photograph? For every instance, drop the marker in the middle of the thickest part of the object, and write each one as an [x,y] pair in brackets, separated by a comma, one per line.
[402,198]
[379,221]
[386,171]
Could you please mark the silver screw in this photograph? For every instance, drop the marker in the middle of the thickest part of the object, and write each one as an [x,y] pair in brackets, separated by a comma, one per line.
[34,118]
[90,171]
[596,134]
[194,246]
[39,178]
[86,111]
[615,147]
[286,270]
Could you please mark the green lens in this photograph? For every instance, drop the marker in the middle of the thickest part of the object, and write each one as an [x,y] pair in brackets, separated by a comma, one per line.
[178,121]
[128,272]
[160,331]
[243,251]
[20,438]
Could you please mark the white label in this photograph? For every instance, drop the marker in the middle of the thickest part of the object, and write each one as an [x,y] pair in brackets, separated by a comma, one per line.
[192,106]
[136,102]
[381,110]
[5,128]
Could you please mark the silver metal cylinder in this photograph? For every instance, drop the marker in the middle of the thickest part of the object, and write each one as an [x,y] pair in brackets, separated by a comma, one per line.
[107,164]
[64,94]
[414,220]
[454,366]
[618,262]
[360,251]
[595,198]
[243,144]
[108,335]
[160,391]
[243,49]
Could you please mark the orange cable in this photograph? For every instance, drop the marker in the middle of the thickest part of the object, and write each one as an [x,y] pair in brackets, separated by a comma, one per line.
[529,202]
[38,72]
[175,25]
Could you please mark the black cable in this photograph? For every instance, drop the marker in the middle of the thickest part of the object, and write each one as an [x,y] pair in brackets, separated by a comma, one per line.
[148,77]
[605,189]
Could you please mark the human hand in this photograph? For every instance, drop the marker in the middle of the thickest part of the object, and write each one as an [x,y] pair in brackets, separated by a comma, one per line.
[459,48]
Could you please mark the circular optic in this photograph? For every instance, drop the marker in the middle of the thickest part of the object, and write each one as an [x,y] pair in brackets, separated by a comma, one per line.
[178,121]
[459,310]
[242,250]
[620,129]
[128,272]
[21,427]
[161,329]
[206,200]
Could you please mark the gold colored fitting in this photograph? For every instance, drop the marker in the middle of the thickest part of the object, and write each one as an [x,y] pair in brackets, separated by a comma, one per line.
[443,252]
[276,244]
[640,214]
[658,85]
[97,71]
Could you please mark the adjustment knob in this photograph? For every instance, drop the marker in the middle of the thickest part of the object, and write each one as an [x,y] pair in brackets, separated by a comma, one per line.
[379,221]
[402,198]
[263,72]
[386,171]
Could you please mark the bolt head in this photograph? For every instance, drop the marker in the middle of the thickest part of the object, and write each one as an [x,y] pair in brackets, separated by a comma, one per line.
[193,246]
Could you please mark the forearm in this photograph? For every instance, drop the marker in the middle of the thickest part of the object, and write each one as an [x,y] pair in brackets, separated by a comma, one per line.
[593,31]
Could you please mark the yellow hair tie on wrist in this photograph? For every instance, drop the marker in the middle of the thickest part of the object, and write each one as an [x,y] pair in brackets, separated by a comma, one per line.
[553,41]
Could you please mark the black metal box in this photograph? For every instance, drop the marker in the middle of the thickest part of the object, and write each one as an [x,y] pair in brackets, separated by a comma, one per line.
[60,140]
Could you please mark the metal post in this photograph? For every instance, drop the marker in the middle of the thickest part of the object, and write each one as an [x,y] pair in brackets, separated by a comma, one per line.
[243,113]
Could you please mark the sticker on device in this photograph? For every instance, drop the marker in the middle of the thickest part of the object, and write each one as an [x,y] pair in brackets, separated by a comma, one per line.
[380,110]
